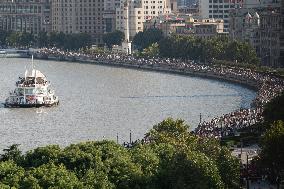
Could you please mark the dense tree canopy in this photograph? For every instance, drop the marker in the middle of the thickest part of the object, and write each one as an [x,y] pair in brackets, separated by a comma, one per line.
[271,158]
[173,158]
[113,38]
[146,38]
[195,48]
[3,37]
[43,39]
[274,110]
[207,50]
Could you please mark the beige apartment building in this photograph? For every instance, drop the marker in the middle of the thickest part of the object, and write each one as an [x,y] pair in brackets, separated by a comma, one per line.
[32,16]
[79,16]
[187,25]
[262,27]
[136,12]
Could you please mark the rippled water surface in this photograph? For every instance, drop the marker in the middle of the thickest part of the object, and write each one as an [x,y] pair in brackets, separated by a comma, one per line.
[99,102]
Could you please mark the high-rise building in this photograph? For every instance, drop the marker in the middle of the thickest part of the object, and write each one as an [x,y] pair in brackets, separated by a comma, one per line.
[270,31]
[221,8]
[137,12]
[110,14]
[79,16]
[217,9]
[32,16]
[260,25]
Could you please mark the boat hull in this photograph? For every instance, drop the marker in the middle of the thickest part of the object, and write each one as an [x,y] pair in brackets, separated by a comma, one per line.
[7,105]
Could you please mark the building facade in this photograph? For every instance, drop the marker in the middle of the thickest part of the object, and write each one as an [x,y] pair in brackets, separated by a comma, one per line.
[32,16]
[79,16]
[217,9]
[187,25]
[270,31]
[136,12]
[261,26]
[220,9]
[109,14]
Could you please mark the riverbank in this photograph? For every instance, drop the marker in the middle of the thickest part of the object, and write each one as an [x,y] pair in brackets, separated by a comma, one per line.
[267,85]
[173,70]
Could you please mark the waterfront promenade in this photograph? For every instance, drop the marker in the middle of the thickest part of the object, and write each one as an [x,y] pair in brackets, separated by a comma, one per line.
[267,85]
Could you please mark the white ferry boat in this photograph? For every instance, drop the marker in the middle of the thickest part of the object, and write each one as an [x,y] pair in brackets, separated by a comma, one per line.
[32,90]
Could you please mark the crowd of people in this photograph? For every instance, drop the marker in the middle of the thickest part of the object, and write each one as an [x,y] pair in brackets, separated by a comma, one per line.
[268,86]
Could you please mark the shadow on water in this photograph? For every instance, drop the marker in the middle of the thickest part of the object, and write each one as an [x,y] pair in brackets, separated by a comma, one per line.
[178,96]
[2,105]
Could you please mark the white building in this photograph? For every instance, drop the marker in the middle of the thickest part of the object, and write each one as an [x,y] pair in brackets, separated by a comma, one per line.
[221,8]
[260,25]
[140,11]
[218,9]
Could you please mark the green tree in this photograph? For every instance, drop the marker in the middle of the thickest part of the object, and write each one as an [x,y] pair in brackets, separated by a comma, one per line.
[56,39]
[11,174]
[274,110]
[3,37]
[42,155]
[51,176]
[166,47]
[174,158]
[26,39]
[152,50]
[42,39]
[13,39]
[113,38]
[146,38]
[192,170]
[272,150]
[121,170]
[97,180]
[174,132]
[146,157]
[12,153]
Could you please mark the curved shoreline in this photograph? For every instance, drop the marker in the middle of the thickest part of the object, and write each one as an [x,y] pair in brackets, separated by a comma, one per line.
[245,83]
[267,86]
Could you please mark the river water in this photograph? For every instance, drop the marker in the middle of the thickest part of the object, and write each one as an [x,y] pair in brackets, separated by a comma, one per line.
[100,102]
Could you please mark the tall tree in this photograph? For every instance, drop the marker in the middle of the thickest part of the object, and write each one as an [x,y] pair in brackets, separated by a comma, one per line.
[146,38]
[3,37]
[272,153]
[12,153]
[113,38]
[274,110]
[42,39]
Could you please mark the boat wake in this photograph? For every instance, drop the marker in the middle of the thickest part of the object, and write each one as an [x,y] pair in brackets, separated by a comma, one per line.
[178,96]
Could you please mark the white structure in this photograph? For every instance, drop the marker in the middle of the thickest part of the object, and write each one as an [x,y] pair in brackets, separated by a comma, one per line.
[221,8]
[137,12]
[32,90]
[218,9]
[261,27]
[126,44]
